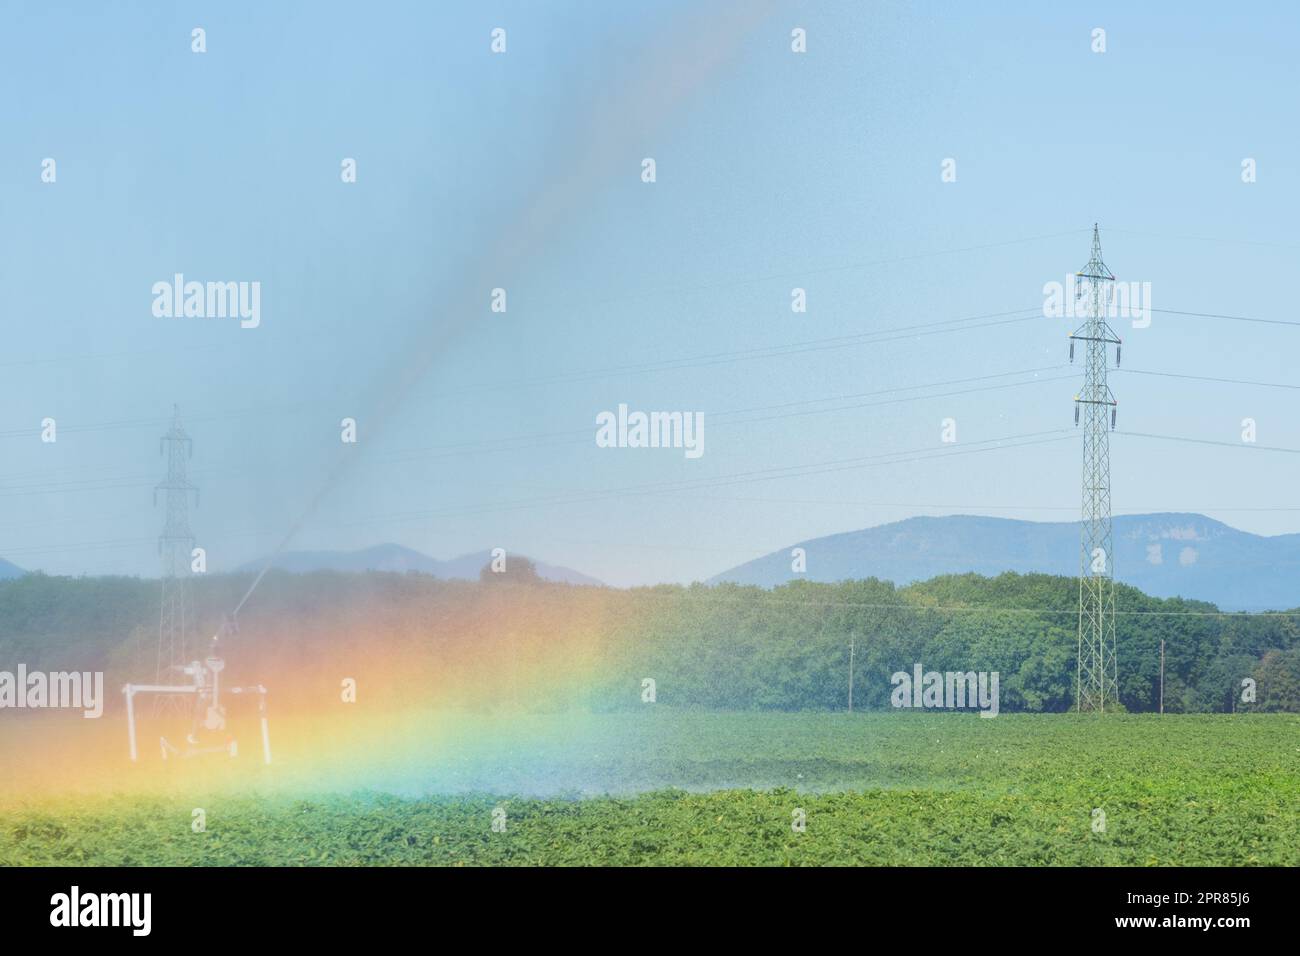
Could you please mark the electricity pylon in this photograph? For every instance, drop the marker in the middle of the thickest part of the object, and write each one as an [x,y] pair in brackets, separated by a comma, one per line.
[1097,682]
[175,544]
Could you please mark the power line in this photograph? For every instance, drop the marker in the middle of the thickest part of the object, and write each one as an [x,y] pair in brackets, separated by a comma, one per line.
[99,357]
[769,474]
[719,481]
[574,436]
[1208,378]
[1131,510]
[1208,441]
[895,401]
[895,333]
[583,436]
[791,471]
[762,352]
[1242,242]
[128,423]
[1232,318]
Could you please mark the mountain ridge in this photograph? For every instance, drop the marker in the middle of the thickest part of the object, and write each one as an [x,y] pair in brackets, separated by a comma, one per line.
[1165,554]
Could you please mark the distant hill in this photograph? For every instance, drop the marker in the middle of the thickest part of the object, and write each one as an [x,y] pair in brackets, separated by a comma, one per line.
[395,557]
[10,570]
[1165,555]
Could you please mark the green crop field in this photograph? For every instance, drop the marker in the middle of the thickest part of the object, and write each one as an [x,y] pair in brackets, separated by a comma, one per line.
[706,788]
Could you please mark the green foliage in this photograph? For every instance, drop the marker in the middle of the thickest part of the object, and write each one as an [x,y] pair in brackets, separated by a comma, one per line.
[723,647]
[1278,677]
[787,648]
[889,789]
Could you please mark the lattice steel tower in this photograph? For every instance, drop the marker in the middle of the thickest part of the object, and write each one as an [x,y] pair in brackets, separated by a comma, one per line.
[1098,677]
[176,616]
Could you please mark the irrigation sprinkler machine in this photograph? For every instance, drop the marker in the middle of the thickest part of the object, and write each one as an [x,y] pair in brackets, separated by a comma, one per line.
[202,679]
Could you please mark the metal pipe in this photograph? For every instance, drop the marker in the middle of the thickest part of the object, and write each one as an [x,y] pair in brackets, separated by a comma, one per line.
[130,717]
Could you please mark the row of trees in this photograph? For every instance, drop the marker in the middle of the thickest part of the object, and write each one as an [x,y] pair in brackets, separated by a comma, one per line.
[517,639]
[788,648]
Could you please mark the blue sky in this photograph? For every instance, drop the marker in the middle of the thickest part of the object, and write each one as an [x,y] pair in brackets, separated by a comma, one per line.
[523,170]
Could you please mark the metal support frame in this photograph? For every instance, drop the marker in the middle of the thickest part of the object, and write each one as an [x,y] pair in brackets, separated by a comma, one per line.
[1097,676]
[206,689]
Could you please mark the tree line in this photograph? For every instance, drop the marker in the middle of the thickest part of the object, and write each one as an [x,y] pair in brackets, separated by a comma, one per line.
[520,640]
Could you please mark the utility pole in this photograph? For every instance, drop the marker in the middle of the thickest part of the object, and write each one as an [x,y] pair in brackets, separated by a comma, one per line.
[176,612]
[1097,678]
[852,639]
[1162,675]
